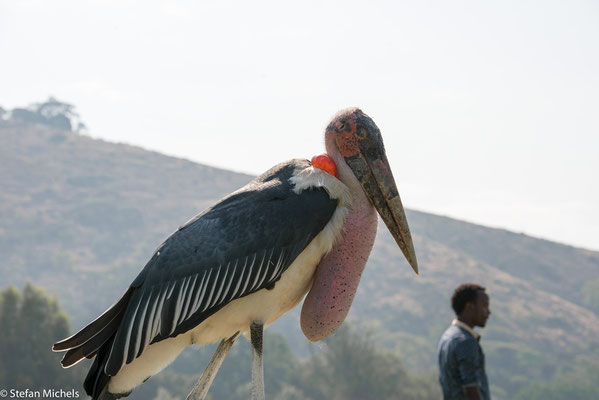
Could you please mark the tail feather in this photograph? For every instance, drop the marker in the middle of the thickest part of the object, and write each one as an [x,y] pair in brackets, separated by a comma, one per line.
[113,313]
[90,347]
[96,339]
[88,340]
[96,381]
[72,357]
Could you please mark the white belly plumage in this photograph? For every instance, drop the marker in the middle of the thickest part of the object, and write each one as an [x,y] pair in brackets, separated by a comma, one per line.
[265,305]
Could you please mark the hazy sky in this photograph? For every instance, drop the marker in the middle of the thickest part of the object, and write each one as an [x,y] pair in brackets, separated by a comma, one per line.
[489,110]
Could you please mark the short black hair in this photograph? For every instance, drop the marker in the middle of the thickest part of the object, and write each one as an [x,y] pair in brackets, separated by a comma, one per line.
[465,293]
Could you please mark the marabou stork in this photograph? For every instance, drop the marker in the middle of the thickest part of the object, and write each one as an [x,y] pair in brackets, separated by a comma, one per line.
[300,228]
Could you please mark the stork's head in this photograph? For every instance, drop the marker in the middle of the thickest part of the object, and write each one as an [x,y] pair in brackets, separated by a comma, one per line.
[360,144]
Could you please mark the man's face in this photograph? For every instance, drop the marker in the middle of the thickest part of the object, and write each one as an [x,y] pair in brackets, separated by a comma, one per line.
[481,309]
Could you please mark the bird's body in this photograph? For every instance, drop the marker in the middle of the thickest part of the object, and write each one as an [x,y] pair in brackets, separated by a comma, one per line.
[263,305]
[247,260]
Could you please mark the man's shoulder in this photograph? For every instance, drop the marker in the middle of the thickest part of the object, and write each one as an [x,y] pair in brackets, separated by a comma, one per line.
[458,336]
[454,332]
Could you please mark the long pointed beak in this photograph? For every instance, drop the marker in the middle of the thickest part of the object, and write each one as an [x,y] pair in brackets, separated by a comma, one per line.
[374,173]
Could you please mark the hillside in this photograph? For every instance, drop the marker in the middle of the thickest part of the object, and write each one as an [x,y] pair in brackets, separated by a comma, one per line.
[77,207]
[81,216]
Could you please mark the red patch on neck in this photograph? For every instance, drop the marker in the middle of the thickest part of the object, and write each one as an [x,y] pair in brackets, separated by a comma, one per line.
[325,163]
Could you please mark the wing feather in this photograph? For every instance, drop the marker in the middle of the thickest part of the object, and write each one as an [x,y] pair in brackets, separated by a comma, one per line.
[171,288]
[151,318]
[257,273]
[157,319]
[239,280]
[224,296]
[197,302]
[275,271]
[192,289]
[139,329]
[212,287]
[266,265]
[220,288]
[202,296]
[179,304]
[181,301]
[120,346]
[247,278]
[168,309]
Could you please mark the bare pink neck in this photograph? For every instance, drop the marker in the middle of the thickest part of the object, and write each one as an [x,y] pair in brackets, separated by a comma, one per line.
[339,272]
[359,229]
[361,221]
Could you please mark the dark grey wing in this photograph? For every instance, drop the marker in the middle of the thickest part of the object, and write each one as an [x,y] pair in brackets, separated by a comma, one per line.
[241,245]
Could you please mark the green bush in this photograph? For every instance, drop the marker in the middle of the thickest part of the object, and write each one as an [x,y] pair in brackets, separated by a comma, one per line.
[30,322]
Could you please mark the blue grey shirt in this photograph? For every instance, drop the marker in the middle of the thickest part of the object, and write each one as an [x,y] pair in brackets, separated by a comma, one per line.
[461,363]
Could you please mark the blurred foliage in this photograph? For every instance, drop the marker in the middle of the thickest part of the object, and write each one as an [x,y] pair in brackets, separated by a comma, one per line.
[30,322]
[351,366]
[580,382]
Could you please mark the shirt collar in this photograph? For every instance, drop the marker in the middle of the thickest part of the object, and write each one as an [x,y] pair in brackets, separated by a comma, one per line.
[459,323]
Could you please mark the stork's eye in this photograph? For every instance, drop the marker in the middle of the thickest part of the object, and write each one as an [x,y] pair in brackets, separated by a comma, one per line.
[340,125]
[361,133]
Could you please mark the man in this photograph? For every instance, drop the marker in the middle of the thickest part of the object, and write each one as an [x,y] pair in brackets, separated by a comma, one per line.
[461,359]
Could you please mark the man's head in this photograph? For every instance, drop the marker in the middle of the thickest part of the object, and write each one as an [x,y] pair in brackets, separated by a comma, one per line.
[471,304]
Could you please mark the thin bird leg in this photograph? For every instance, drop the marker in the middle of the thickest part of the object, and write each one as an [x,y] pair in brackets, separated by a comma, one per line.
[200,390]
[256,330]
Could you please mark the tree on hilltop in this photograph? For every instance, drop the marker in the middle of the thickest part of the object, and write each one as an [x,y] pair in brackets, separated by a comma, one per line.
[52,113]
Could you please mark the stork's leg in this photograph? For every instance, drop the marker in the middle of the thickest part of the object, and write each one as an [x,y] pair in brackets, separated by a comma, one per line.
[256,330]
[200,390]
